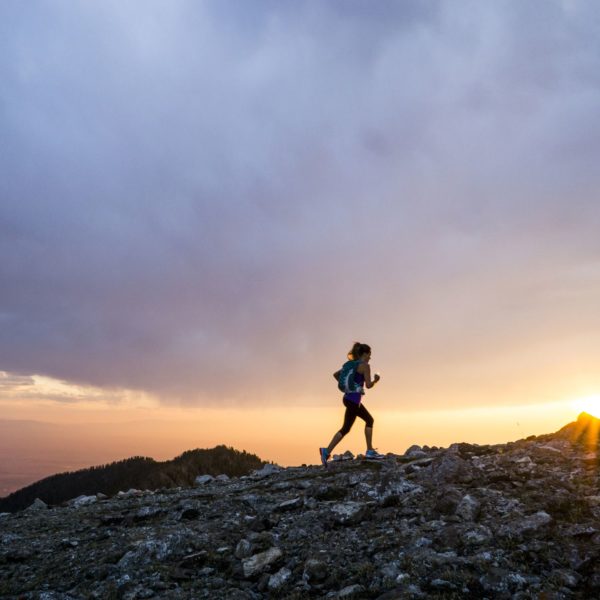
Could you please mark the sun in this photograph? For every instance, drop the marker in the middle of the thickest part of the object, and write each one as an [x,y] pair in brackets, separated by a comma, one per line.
[589,404]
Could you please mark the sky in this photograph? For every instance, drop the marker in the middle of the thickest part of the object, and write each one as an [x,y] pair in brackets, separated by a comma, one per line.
[204,203]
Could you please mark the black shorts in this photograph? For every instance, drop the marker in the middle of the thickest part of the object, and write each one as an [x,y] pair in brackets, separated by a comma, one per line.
[354,410]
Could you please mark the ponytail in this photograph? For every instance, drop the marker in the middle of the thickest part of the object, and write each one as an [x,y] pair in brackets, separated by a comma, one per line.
[358,350]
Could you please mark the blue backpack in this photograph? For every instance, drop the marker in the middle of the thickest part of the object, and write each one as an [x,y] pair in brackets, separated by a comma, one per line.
[346,382]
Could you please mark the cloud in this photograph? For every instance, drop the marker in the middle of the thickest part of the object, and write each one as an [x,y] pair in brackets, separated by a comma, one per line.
[209,202]
[38,388]
[11,383]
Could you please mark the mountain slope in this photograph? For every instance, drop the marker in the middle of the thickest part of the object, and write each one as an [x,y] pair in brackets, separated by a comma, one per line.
[136,472]
[504,521]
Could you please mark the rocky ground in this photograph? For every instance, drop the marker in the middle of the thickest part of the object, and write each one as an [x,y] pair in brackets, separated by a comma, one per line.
[517,520]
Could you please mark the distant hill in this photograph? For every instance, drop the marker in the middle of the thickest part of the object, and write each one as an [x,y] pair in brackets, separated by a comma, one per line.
[137,472]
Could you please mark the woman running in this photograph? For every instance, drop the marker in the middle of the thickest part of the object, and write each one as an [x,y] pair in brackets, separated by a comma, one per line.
[359,376]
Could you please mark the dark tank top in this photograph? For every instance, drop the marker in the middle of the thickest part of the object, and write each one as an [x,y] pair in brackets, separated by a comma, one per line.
[356,397]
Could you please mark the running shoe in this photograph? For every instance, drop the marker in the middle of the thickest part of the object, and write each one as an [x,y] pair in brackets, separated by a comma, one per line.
[324,456]
[373,454]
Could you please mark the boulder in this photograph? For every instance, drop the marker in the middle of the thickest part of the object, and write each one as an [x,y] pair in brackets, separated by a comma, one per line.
[82,501]
[349,513]
[261,562]
[447,500]
[203,480]
[449,468]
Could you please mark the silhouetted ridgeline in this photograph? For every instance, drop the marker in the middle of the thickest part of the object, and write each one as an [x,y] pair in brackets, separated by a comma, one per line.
[136,472]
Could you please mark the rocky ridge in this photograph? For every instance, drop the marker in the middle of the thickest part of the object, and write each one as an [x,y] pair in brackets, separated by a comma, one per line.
[516,520]
[138,471]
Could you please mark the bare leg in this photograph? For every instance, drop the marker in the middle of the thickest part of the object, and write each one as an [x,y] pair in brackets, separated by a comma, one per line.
[369,437]
[334,441]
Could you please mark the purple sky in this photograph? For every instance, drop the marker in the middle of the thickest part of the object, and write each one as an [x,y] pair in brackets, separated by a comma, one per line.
[209,201]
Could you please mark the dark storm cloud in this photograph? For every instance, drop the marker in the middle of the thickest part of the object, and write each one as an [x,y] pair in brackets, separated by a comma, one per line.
[204,200]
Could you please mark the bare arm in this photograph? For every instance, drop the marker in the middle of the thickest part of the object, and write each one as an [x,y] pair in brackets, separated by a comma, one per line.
[365,370]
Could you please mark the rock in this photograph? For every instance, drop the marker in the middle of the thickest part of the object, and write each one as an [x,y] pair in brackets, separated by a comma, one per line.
[349,513]
[345,456]
[417,464]
[450,467]
[147,512]
[477,536]
[222,478]
[101,496]
[130,493]
[82,501]
[260,562]
[243,549]
[442,584]
[261,541]
[203,479]
[502,581]
[37,505]
[315,570]
[412,449]
[594,504]
[390,571]
[193,560]
[292,504]
[279,579]
[415,452]
[351,592]
[327,492]
[399,487]
[565,577]
[144,552]
[468,508]
[581,530]
[530,525]
[447,500]
[266,471]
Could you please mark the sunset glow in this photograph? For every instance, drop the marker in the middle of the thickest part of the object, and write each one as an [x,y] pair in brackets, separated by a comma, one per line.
[43,436]
[589,404]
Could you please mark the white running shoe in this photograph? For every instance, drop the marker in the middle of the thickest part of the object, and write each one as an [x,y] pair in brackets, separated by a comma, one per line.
[373,454]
